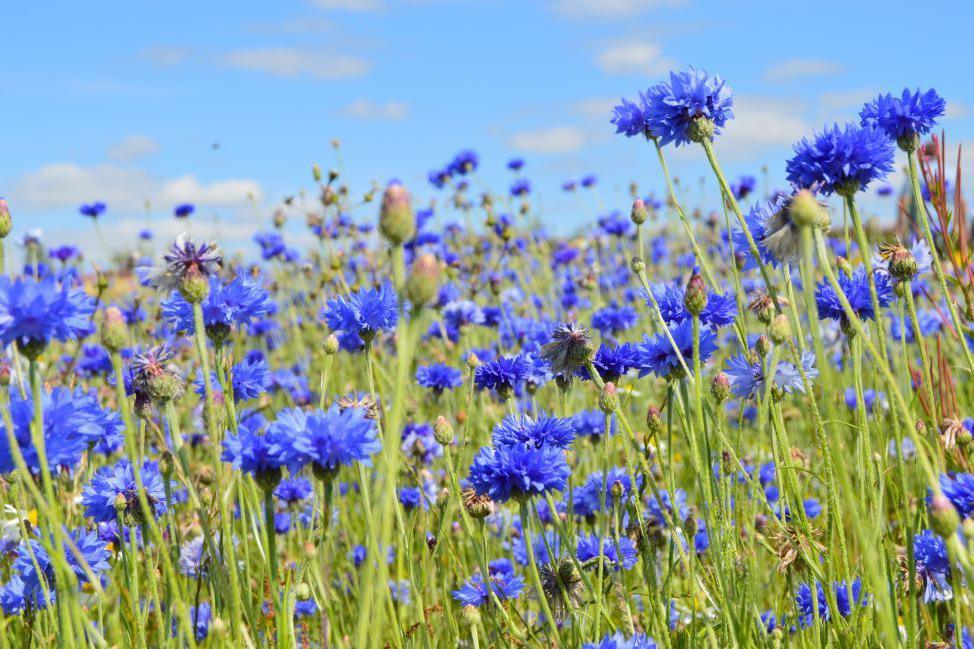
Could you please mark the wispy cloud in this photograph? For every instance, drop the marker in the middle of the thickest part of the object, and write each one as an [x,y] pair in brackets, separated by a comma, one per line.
[761,124]
[133,147]
[797,68]
[366,109]
[166,56]
[609,8]
[633,58]
[126,189]
[349,5]
[293,62]
[558,139]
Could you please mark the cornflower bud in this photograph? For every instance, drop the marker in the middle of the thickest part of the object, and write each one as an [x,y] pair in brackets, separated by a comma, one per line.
[780,329]
[720,388]
[396,221]
[944,517]
[805,209]
[609,398]
[695,298]
[6,222]
[654,421]
[423,281]
[331,344]
[114,333]
[443,431]
[639,213]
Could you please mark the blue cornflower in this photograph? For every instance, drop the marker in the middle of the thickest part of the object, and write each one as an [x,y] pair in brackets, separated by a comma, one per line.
[591,423]
[539,543]
[595,494]
[841,159]
[183,210]
[959,489]
[326,439]
[502,374]
[611,362]
[463,163]
[26,586]
[271,245]
[419,443]
[249,379]
[293,490]
[503,583]
[523,430]
[748,378]
[618,640]
[364,313]
[515,164]
[110,482]
[520,187]
[92,210]
[769,224]
[518,472]
[73,421]
[932,566]
[911,114]
[226,306]
[656,355]
[671,108]
[32,313]
[63,253]
[184,259]
[844,596]
[615,224]
[630,118]
[743,186]
[930,322]
[439,377]
[856,289]
[657,510]
[721,309]
[614,319]
[871,397]
[622,556]
[262,455]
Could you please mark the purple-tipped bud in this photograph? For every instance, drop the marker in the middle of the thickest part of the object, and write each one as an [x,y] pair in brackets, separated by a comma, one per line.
[114,333]
[944,516]
[720,388]
[639,213]
[695,298]
[609,398]
[423,281]
[396,221]
[6,222]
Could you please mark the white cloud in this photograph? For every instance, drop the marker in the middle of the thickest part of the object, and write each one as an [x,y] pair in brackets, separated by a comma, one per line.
[760,124]
[796,68]
[366,109]
[290,62]
[66,184]
[349,5]
[134,147]
[634,58]
[558,139]
[166,56]
[609,8]
[598,109]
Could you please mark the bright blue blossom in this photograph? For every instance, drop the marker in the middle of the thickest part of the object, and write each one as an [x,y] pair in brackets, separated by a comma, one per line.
[595,494]
[227,306]
[293,490]
[502,582]
[841,159]
[364,313]
[911,114]
[844,596]
[629,117]
[110,482]
[524,430]
[439,377]
[519,472]
[670,108]
[260,454]
[932,566]
[326,439]
[856,289]
[959,489]
[748,378]
[618,640]
[502,374]
[656,355]
[622,556]
[36,312]
[721,309]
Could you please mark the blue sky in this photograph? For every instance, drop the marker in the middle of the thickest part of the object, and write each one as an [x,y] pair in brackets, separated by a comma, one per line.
[122,102]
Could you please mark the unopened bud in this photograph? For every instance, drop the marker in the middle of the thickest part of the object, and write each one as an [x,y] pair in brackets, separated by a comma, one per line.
[396,221]
[114,333]
[805,209]
[609,398]
[6,222]
[763,346]
[316,172]
[780,329]
[695,298]
[945,518]
[654,421]
[331,344]
[720,388]
[473,362]
[639,213]
[471,615]
[194,286]
[423,281]
[637,265]
[443,431]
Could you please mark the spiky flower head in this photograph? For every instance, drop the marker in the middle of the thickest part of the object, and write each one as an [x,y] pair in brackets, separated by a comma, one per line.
[570,348]
[841,159]
[691,107]
[187,267]
[155,376]
[903,119]
[34,312]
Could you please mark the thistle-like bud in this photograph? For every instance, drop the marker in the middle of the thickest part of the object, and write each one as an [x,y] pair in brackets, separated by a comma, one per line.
[476,505]
[331,344]
[423,281]
[609,398]
[720,388]
[617,490]
[114,333]
[843,265]
[121,503]
[470,615]
[805,209]
[902,263]
[908,142]
[944,517]
[396,221]
[637,265]
[701,128]
[473,361]
[443,431]
[654,421]
[194,286]
[316,172]
[695,297]
[639,213]
[780,329]
[6,222]
[763,346]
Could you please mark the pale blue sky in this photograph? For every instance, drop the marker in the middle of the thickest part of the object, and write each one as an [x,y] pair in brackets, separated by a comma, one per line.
[121,102]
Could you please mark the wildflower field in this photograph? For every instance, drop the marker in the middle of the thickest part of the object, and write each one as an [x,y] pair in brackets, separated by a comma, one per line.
[427,423]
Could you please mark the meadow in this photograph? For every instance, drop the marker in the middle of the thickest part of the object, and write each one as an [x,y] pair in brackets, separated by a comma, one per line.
[425,422]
